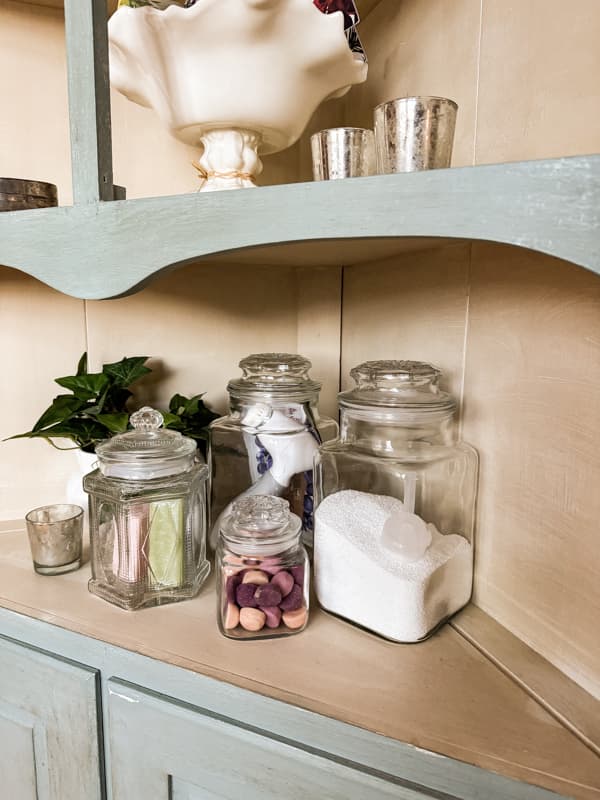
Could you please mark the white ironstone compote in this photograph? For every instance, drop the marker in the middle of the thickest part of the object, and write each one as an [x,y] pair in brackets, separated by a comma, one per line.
[237,77]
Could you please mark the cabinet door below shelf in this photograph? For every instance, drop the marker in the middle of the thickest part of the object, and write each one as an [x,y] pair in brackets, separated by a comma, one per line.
[49,748]
[162,750]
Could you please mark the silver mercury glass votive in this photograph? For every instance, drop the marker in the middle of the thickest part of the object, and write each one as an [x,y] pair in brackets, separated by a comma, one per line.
[414,133]
[55,538]
[342,153]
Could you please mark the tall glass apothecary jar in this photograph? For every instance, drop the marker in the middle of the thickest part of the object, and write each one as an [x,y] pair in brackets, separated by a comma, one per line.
[395,504]
[267,442]
[147,516]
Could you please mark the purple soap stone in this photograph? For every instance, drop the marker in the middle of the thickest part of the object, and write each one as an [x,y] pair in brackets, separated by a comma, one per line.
[294,600]
[267,595]
[273,616]
[298,573]
[284,582]
[244,595]
[233,581]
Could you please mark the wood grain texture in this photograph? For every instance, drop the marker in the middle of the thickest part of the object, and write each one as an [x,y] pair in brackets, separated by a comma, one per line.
[42,336]
[574,707]
[440,695]
[532,409]
[89,100]
[411,307]
[550,206]
[538,80]
[54,705]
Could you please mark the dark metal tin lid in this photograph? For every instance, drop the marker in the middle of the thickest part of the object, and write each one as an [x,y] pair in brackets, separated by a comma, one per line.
[19,194]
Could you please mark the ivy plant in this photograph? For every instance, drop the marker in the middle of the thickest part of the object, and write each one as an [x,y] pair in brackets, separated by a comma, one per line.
[97,407]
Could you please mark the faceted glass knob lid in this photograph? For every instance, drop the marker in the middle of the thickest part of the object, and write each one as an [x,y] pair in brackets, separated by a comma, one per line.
[275,366]
[260,513]
[390,375]
[147,419]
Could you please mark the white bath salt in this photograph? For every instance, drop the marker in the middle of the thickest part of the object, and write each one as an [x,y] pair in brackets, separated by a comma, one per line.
[359,578]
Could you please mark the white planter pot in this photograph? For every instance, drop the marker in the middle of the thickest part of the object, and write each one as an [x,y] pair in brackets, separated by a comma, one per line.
[238,77]
[74,490]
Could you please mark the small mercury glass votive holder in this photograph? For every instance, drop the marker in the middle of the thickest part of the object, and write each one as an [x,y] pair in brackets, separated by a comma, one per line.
[55,538]
[414,133]
[342,153]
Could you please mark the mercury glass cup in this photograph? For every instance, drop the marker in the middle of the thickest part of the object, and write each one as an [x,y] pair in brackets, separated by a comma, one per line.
[55,538]
[343,153]
[414,133]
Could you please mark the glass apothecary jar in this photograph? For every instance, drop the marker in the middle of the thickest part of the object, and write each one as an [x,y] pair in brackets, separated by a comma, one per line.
[395,503]
[262,570]
[147,504]
[266,444]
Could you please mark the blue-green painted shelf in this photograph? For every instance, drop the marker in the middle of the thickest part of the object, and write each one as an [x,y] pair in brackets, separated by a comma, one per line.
[104,249]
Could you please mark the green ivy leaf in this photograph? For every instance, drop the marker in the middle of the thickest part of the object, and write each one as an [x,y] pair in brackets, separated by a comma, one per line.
[116,423]
[85,387]
[82,366]
[172,421]
[63,406]
[127,371]
[177,404]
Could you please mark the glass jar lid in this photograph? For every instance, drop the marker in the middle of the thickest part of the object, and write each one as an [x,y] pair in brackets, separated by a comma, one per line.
[282,375]
[148,451]
[405,386]
[260,525]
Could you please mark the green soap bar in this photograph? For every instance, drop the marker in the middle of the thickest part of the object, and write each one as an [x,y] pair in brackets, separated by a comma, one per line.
[165,543]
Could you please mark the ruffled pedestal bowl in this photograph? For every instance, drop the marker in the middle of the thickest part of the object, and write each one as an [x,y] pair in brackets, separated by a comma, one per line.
[238,78]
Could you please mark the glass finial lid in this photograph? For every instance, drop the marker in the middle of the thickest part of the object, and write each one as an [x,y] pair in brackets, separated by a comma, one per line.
[148,451]
[410,385]
[284,374]
[260,521]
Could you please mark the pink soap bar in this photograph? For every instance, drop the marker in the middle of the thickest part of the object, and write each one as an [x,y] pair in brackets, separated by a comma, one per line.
[295,619]
[273,616]
[284,582]
[252,619]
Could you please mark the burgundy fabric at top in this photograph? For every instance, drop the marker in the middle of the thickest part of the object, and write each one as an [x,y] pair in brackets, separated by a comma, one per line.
[347,7]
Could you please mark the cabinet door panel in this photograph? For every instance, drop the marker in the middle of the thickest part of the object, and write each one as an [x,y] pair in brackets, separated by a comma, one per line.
[49,748]
[161,750]
[18,745]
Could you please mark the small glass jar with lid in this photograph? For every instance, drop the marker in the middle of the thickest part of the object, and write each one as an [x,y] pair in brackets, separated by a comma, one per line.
[262,570]
[266,444]
[147,504]
[395,503]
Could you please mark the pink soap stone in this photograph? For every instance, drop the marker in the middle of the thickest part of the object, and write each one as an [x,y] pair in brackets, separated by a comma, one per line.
[295,619]
[232,617]
[252,619]
[255,576]
[298,573]
[273,616]
[284,582]
[294,600]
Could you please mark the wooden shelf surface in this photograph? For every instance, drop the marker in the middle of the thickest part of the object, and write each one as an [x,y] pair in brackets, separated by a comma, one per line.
[108,249]
[442,695]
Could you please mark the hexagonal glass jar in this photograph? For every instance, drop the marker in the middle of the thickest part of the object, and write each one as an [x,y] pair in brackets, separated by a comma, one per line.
[267,442]
[262,570]
[147,504]
[395,504]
